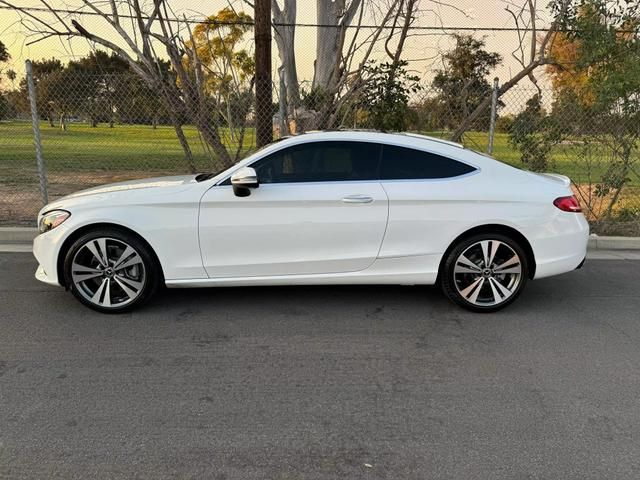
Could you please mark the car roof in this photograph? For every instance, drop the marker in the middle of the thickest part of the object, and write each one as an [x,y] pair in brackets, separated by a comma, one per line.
[372,135]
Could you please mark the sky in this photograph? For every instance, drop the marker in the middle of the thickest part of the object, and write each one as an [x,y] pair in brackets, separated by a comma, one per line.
[423,49]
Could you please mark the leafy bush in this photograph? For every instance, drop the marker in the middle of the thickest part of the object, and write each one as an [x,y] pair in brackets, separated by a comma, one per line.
[534,133]
[386,98]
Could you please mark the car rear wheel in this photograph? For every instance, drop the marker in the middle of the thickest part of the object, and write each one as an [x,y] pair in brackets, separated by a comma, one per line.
[111,271]
[485,273]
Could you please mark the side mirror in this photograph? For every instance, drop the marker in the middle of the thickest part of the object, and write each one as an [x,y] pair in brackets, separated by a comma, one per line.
[243,180]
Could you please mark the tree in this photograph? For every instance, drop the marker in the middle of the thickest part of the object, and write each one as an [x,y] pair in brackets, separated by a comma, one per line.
[284,20]
[4,53]
[137,34]
[534,133]
[567,77]
[386,101]
[139,104]
[462,83]
[334,16]
[338,80]
[4,105]
[531,58]
[49,82]
[12,75]
[228,69]
[95,80]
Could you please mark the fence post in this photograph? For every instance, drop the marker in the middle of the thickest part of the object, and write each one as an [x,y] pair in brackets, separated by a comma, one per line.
[494,108]
[35,122]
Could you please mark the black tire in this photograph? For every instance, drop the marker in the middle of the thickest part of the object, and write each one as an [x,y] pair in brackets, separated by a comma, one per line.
[149,272]
[452,283]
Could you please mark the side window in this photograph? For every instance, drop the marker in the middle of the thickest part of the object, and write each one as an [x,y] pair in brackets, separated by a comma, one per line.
[399,163]
[321,162]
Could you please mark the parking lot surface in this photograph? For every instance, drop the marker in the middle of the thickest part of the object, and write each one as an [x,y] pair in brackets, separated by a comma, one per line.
[323,382]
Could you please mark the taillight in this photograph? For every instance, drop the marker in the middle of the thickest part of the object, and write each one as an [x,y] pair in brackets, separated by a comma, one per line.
[568,204]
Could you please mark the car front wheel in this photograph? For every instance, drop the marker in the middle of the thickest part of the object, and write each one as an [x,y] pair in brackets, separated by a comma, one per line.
[111,271]
[485,273]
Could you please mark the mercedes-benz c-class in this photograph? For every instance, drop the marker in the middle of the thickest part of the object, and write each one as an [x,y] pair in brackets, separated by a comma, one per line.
[319,208]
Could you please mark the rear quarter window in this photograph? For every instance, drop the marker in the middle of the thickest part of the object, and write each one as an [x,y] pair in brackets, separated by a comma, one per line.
[401,163]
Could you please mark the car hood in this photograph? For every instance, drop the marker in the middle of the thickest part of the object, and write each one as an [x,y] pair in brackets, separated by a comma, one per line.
[158,182]
[134,191]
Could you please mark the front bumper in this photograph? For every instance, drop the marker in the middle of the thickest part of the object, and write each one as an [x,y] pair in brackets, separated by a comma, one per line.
[46,248]
[43,276]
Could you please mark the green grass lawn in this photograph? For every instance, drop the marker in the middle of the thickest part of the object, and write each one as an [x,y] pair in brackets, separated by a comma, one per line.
[124,147]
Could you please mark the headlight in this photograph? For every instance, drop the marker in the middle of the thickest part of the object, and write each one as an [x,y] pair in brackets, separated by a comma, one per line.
[52,219]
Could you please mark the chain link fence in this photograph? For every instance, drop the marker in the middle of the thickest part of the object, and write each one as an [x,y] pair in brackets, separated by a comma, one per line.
[96,129]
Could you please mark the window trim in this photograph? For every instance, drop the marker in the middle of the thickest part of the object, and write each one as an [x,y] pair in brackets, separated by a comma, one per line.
[476,168]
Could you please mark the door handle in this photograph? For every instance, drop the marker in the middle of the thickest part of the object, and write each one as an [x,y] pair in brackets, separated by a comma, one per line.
[357,199]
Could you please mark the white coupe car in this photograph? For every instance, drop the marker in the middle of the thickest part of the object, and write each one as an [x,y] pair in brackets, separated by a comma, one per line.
[320,208]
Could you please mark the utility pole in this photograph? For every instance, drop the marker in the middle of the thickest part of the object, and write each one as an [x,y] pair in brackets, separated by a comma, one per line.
[262,35]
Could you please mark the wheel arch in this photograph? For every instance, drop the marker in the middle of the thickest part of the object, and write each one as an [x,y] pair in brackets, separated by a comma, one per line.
[494,228]
[69,241]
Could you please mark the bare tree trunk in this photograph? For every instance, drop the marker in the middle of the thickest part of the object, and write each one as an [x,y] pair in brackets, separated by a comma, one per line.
[194,101]
[282,103]
[209,132]
[188,155]
[285,41]
[623,174]
[408,20]
[330,40]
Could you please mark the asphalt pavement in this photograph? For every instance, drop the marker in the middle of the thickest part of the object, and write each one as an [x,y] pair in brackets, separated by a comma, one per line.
[323,382]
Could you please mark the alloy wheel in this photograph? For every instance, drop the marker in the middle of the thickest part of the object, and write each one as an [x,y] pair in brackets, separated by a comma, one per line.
[487,273]
[108,272]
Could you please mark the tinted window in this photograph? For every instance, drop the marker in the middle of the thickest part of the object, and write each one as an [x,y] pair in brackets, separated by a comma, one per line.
[321,162]
[406,163]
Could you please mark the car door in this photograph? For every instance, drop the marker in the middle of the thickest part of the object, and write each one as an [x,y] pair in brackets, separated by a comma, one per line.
[319,209]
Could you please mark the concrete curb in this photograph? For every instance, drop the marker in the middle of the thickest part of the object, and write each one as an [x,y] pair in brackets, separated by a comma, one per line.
[613,243]
[17,235]
[25,235]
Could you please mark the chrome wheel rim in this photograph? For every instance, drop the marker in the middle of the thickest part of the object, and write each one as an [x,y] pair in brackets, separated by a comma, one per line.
[487,273]
[108,272]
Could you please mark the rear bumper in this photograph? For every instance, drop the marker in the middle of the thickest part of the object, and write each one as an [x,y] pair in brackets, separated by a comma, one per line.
[562,251]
